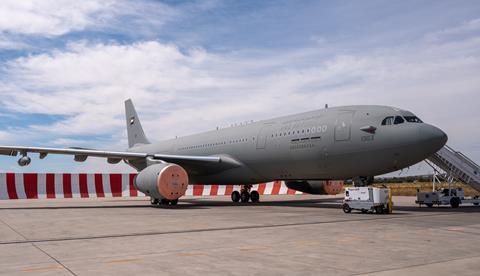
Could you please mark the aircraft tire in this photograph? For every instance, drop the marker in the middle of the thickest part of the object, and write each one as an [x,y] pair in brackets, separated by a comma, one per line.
[429,205]
[174,202]
[164,201]
[244,196]
[254,196]
[455,202]
[153,201]
[235,196]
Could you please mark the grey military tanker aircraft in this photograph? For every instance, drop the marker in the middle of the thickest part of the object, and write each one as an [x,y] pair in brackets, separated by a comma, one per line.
[348,142]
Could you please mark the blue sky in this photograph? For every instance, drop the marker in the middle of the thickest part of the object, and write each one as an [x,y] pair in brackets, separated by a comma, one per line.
[66,67]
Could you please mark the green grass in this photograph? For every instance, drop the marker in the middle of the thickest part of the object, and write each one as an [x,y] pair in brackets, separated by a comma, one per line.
[410,189]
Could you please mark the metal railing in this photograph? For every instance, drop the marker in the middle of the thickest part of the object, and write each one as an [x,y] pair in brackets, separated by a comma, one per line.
[458,166]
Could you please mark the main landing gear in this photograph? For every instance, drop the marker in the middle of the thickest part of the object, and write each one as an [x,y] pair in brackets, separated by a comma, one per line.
[245,195]
[163,202]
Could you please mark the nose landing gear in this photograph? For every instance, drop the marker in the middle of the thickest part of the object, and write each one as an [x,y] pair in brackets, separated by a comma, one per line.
[245,195]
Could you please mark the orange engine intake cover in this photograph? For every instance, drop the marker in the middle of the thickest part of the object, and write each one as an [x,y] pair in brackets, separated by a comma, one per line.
[172,182]
[333,187]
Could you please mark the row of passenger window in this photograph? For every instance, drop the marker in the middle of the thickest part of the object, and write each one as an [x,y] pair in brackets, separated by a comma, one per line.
[306,139]
[234,141]
[396,120]
[293,132]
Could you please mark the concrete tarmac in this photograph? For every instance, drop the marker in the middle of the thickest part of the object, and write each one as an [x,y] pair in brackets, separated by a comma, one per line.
[282,235]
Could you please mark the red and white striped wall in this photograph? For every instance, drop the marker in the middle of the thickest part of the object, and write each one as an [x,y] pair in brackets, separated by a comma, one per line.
[65,185]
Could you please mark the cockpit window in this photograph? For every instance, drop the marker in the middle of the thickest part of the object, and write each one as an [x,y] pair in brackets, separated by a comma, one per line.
[398,120]
[387,121]
[413,119]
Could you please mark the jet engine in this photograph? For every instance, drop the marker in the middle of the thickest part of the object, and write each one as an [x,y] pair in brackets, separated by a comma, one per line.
[24,161]
[317,187]
[162,181]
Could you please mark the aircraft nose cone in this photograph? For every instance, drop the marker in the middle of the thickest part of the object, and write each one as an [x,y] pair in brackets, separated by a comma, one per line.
[435,137]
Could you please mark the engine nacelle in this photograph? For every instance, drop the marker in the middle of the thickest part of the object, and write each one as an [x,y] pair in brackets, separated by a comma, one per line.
[162,181]
[24,161]
[317,187]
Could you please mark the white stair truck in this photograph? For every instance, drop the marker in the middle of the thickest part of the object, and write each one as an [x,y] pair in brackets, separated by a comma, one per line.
[368,199]
[452,196]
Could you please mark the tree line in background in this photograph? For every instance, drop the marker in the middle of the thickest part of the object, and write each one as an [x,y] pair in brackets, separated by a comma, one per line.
[404,179]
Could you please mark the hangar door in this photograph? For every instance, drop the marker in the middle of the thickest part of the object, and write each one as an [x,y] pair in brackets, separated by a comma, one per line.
[343,126]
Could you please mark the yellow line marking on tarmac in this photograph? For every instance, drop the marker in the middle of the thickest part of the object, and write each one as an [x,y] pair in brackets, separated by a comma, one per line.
[253,248]
[455,228]
[307,243]
[189,254]
[348,239]
[40,269]
[121,261]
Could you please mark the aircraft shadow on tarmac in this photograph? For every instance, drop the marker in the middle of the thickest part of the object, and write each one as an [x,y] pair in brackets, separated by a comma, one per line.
[194,204]
[329,203]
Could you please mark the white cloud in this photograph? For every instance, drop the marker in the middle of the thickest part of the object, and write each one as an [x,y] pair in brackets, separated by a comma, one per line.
[51,17]
[10,44]
[182,91]
[68,142]
[5,137]
[20,20]
[466,28]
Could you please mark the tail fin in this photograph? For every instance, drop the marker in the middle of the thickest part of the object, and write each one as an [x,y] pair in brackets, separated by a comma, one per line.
[134,127]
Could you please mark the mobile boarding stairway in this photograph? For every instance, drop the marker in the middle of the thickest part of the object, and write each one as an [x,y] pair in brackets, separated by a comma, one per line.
[456,166]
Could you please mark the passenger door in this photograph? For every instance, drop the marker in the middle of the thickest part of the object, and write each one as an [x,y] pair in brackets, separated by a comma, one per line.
[263,135]
[343,126]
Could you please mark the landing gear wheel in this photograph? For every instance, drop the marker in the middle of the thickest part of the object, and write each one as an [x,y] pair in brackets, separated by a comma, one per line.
[153,201]
[455,202]
[346,208]
[254,196]
[235,196]
[244,196]
[429,205]
[379,209]
[174,202]
[164,201]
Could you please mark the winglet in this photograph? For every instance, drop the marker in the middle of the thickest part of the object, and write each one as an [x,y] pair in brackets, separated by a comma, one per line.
[134,127]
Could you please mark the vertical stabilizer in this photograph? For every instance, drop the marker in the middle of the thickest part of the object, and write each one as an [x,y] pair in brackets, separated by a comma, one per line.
[134,127]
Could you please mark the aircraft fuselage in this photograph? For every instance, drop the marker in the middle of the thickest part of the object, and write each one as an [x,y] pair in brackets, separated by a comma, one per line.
[332,143]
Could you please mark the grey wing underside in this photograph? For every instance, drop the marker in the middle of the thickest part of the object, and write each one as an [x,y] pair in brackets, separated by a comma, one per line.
[208,164]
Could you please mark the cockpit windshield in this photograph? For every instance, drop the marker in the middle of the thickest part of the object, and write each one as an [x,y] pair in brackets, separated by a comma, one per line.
[388,121]
[398,120]
[412,119]
[393,120]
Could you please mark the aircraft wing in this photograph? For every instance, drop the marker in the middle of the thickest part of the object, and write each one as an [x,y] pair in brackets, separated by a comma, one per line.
[113,157]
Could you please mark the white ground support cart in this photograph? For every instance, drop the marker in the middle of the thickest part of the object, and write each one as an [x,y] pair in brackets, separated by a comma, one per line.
[452,196]
[368,199]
